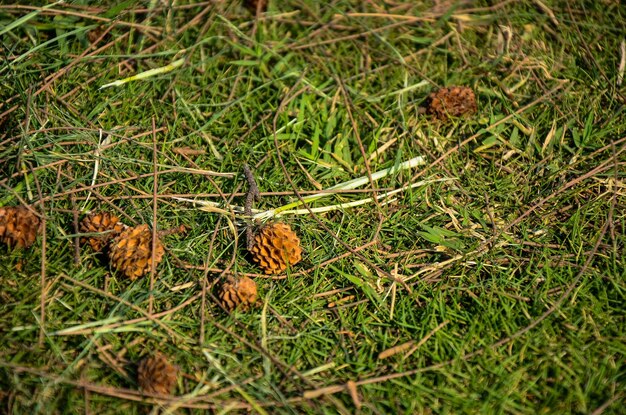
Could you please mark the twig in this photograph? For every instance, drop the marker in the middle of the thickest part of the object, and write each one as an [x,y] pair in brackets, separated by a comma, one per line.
[205,268]
[42,308]
[76,231]
[352,37]
[56,12]
[154,216]
[44,260]
[392,351]
[87,402]
[599,410]
[252,196]
[357,136]
[622,63]
[96,164]
[547,11]
[494,226]
[425,338]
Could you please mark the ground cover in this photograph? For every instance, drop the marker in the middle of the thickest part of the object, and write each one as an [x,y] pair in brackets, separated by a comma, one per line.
[482,271]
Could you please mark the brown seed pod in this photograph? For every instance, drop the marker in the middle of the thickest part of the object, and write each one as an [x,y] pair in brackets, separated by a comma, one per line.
[18,226]
[106,225]
[156,375]
[455,101]
[238,293]
[275,246]
[131,251]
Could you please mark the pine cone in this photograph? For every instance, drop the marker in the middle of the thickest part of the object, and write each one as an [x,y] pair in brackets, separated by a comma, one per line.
[236,293]
[156,375]
[275,246]
[18,226]
[105,224]
[449,102]
[253,4]
[131,251]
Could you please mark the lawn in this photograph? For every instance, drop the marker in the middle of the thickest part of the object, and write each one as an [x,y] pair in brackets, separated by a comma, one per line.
[449,264]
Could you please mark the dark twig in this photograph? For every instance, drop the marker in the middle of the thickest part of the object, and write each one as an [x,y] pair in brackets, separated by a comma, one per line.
[76,239]
[154,216]
[252,196]
[44,290]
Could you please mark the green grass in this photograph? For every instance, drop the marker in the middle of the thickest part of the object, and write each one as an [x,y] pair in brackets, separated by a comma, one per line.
[505,285]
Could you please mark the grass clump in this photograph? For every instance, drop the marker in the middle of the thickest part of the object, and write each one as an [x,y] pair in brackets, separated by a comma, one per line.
[487,276]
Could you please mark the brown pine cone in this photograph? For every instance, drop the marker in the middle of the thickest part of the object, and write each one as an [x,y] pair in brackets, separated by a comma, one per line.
[238,293]
[454,101]
[275,246]
[18,226]
[105,225]
[131,251]
[156,375]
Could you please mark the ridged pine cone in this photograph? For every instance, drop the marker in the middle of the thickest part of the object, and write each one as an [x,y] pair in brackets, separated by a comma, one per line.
[18,226]
[454,101]
[275,246]
[156,375]
[131,251]
[238,293]
[106,225]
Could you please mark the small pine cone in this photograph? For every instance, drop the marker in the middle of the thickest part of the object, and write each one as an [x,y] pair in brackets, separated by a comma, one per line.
[238,293]
[131,251]
[252,5]
[275,246]
[449,102]
[156,375]
[18,226]
[106,225]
